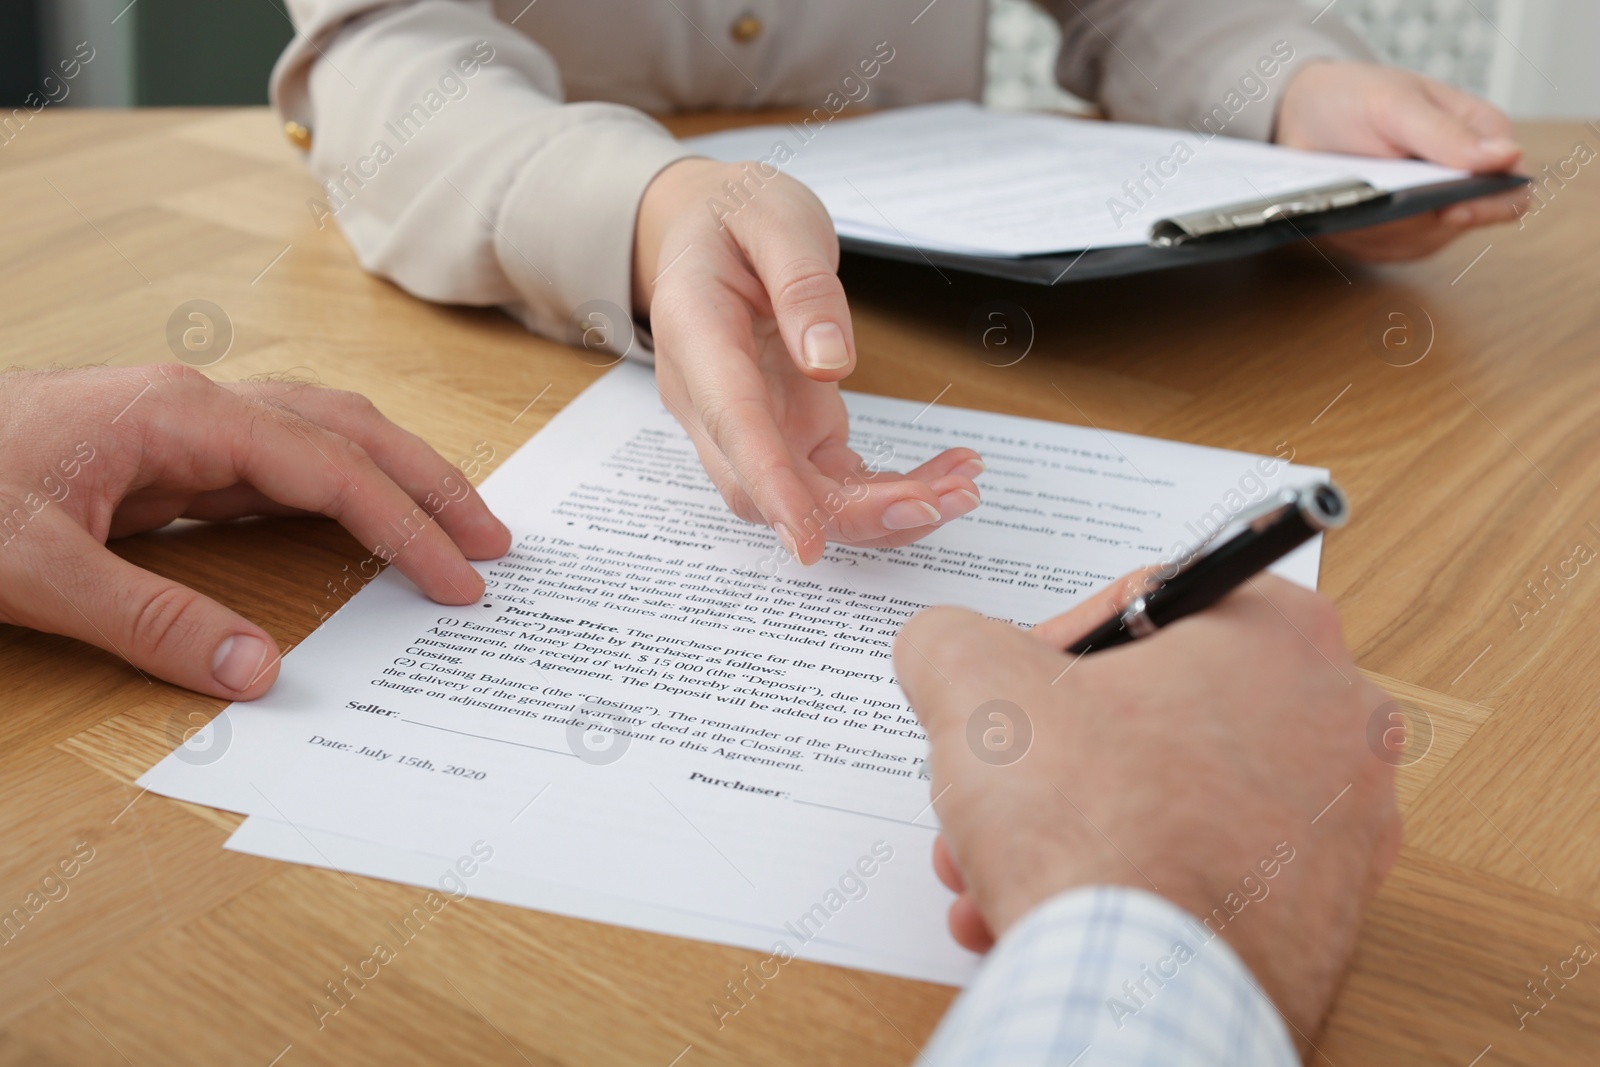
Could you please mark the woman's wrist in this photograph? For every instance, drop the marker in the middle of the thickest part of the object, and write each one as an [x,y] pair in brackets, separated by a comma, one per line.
[670,194]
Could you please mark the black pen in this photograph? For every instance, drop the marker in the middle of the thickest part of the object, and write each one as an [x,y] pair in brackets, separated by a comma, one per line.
[1282,524]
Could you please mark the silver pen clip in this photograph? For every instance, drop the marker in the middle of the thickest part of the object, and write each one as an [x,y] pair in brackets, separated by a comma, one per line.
[1323,505]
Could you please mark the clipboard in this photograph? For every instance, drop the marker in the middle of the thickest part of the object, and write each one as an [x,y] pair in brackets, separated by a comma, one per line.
[1222,233]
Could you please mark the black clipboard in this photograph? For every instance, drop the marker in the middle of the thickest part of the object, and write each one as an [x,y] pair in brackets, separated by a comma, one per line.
[1230,242]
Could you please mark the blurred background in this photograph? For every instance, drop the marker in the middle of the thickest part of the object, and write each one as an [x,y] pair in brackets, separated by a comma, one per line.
[144,53]
[1534,58]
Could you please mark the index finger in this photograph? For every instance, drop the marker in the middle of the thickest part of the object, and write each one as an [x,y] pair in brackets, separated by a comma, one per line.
[206,445]
[441,487]
[1483,117]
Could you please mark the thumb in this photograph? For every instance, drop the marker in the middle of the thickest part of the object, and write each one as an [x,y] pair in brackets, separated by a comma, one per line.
[950,660]
[1062,630]
[160,627]
[1420,127]
[795,253]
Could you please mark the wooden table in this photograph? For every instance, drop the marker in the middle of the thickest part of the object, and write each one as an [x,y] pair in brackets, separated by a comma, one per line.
[1471,471]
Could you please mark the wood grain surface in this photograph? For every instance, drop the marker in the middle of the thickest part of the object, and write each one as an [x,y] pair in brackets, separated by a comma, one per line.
[1471,471]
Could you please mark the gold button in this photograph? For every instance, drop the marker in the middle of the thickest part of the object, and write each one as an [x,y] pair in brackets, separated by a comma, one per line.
[298,135]
[745,28]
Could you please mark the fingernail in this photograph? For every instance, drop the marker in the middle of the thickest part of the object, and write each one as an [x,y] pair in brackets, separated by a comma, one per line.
[909,514]
[1458,216]
[238,661]
[786,538]
[825,348]
[957,503]
[969,468]
[1499,146]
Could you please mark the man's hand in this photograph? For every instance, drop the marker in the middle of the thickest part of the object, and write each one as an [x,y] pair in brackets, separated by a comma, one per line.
[1182,764]
[1368,110]
[752,335]
[87,455]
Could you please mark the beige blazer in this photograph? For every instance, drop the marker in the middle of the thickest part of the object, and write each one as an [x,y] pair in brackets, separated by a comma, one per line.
[494,153]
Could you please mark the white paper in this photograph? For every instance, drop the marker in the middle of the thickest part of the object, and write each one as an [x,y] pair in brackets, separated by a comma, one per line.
[445,875]
[761,749]
[957,177]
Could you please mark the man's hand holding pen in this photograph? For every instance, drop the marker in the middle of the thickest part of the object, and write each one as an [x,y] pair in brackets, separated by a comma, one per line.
[1219,726]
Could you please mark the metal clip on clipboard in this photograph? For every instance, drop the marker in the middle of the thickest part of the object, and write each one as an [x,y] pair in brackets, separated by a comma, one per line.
[1180,229]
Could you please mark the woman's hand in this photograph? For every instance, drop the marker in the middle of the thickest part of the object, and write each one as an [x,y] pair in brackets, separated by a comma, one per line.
[752,335]
[87,455]
[1369,110]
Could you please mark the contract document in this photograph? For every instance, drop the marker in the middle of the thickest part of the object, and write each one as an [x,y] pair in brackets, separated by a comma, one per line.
[654,717]
[957,177]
